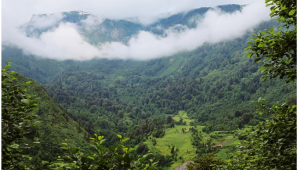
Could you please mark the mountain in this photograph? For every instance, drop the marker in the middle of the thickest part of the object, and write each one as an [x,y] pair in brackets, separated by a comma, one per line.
[121,30]
[43,70]
[211,82]
[212,85]
[31,66]
[56,125]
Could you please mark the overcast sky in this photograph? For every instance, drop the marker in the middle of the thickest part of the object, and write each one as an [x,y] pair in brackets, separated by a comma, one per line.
[65,39]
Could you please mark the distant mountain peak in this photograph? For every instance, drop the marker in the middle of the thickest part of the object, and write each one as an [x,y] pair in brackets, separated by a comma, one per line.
[79,12]
[83,13]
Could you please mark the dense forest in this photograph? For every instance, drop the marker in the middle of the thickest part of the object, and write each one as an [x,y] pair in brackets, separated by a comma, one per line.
[103,114]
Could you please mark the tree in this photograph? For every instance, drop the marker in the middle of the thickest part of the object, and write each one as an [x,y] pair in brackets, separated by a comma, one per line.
[154,142]
[169,119]
[17,120]
[237,113]
[93,108]
[272,145]
[18,128]
[172,150]
[121,114]
[142,148]
[207,162]
[277,50]
[114,157]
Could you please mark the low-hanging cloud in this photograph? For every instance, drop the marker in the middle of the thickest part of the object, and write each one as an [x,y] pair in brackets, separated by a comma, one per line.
[91,22]
[44,21]
[64,42]
[61,43]
[214,27]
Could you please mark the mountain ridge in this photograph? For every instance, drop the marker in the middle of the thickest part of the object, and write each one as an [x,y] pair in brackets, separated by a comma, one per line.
[122,29]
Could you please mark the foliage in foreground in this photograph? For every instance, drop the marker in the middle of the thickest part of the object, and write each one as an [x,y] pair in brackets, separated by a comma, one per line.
[273,143]
[207,162]
[115,157]
[18,122]
[278,50]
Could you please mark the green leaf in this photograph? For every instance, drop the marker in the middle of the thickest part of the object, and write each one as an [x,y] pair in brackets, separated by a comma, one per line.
[15,146]
[90,157]
[119,136]
[292,12]
[26,101]
[28,82]
[124,140]
[130,150]
[271,29]
[74,150]
[65,148]
[100,137]
[103,140]
[262,68]
[8,65]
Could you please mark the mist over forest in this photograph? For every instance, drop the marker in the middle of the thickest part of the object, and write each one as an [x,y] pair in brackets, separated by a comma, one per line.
[152,85]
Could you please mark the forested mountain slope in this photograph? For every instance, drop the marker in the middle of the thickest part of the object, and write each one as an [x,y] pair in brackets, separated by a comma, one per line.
[195,99]
[56,125]
[215,84]
[44,70]
[41,70]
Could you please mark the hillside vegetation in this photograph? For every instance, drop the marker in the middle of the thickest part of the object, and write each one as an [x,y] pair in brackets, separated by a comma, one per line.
[56,125]
[180,107]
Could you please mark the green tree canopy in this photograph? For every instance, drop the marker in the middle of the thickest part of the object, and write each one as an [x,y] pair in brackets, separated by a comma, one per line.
[272,145]
[277,49]
[18,120]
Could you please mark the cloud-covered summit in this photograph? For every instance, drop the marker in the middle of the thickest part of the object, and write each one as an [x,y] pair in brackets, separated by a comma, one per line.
[72,36]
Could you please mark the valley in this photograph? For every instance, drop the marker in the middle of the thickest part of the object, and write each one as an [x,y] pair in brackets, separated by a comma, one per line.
[141,111]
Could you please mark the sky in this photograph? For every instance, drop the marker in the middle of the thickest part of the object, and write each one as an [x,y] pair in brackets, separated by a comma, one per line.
[65,41]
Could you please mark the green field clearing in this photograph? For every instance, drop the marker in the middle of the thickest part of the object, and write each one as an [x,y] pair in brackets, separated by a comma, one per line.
[179,140]
[184,144]
[187,151]
[184,116]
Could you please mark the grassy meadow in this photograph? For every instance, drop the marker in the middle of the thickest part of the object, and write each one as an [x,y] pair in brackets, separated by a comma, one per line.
[182,141]
[179,140]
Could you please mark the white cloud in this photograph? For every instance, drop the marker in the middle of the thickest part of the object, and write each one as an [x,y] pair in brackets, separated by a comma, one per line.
[64,42]
[91,21]
[146,11]
[44,21]
[215,27]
